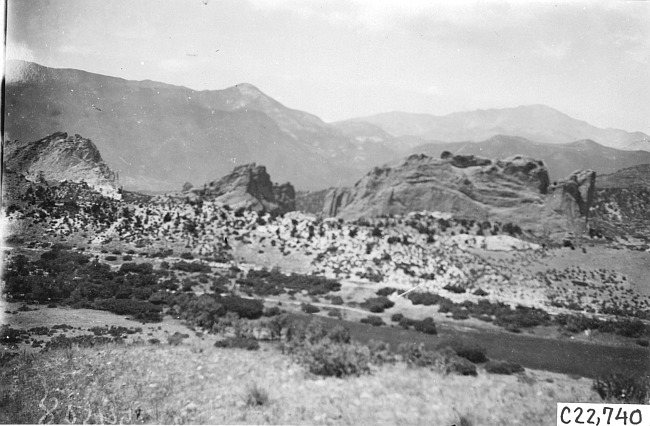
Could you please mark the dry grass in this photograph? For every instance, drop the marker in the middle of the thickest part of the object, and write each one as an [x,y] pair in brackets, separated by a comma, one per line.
[187,384]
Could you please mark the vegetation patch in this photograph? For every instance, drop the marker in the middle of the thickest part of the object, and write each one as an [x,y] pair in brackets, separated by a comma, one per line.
[623,388]
[377,304]
[503,367]
[238,342]
[272,283]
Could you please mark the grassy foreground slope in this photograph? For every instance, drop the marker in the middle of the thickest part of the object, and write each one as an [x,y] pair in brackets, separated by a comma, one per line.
[198,383]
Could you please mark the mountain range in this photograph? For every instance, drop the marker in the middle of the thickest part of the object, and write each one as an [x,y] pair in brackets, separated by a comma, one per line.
[538,123]
[157,136]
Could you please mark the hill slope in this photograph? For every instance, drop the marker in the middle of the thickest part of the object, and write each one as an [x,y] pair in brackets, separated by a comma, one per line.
[535,122]
[158,136]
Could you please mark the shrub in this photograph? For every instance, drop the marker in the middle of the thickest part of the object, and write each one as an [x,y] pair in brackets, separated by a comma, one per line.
[380,353]
[256,396]
[9,335]
[339,334]
[454,288]
[336,300]
[425,299]
[144,311]
[308,308]
[397,317]
[238,342]
[111,258]
[177,338]
[426,326]
[373,320]
[328,358]
[271,312]
[503,367]
[480,292]
[444,360]
[386,291]
[377,304]
[136,268]
[474,354]
[245,308]
[335,313]
[623,387]
[188,256]
[191,267]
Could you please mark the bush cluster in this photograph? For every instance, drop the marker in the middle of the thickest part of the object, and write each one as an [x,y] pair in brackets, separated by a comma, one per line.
[377,304]
[623,387]
[427,325]
[274,282]
[501,313]
[373,320]
[238,342]
[327,353]
[503,367]
[191,267]
[386,291]
[444,361]
[474,354]
[71,278]
[140,310]
[633,328]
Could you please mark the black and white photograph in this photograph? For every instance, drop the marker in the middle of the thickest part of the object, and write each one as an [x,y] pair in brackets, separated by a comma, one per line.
[325,212]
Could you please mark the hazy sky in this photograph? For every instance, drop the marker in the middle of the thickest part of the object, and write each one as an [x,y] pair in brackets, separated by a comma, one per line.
[343,59]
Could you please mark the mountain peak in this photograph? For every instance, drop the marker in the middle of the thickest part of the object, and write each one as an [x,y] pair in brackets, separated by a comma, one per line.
[249,90]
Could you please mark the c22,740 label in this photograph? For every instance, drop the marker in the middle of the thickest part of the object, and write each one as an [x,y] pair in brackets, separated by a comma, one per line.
[602,414]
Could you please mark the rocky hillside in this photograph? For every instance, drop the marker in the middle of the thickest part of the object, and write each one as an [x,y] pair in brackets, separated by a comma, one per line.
[636,176]
[623,200]
[560,159]
[248,186]
[516,190]
[60,157]
[157,136]
[538,123]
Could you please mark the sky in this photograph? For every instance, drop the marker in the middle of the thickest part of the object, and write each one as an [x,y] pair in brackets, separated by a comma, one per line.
[341,59]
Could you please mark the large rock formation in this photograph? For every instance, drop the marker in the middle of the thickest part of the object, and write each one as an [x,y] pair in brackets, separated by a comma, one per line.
[249,186]
[569,201]
[60,157]
[514,190]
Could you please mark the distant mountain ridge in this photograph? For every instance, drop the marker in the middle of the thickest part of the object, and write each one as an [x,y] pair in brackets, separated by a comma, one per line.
[537,123]
[159,136]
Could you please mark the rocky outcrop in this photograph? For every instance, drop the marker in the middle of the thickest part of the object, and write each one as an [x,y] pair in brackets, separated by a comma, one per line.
[285,196]
[249,186]
[516,189]
[569,202]
[60,157]
[335,200]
